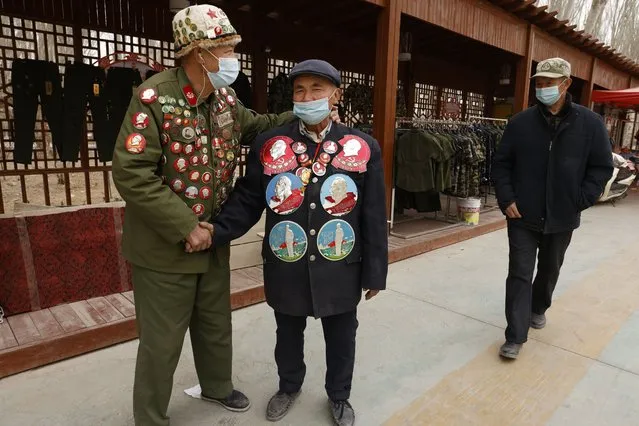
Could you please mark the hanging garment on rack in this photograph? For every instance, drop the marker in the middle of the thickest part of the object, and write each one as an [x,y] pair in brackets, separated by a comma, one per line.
[416,156]
[121,84]
[420,160]
[280,95]
[35,82]
[83,83]
[466,170]
[444,166]
[490,135]
[423,202]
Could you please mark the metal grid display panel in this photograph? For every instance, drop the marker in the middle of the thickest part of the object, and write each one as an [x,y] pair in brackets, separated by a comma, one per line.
[47,180]
[425,101]
[451,96]
[100,44]
[277,67]
[246,65]
[475,104]
[359,109]
[26,39]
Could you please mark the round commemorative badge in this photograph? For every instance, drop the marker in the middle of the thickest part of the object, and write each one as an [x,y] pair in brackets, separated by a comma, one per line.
[285,193]
[288,241]
[339,195]
[336,240]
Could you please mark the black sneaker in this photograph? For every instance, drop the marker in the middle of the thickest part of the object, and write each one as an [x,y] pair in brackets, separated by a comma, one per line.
[279,405]
[343,413]
[538,321]
[510,350]
[236,401]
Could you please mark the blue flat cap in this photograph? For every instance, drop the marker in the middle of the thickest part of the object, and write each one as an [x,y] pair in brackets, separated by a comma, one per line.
[316,67]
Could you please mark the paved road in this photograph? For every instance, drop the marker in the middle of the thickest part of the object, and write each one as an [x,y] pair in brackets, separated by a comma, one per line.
[427,350]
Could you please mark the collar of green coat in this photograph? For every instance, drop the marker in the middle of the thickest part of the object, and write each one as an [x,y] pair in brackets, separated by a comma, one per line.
[189,94]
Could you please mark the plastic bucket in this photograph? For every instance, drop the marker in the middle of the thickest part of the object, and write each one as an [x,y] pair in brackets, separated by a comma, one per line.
[468,210]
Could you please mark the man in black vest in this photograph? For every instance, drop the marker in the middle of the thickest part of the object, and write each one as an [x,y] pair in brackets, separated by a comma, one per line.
[322,185]
[553,162]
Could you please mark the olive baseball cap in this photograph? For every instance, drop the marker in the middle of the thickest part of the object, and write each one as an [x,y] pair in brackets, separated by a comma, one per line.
[553,68]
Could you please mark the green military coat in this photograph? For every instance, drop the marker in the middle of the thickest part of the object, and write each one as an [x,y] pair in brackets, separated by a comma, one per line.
[174,164]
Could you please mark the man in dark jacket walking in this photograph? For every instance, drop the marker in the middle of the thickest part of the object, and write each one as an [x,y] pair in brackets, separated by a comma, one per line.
[322,185]
[553,162]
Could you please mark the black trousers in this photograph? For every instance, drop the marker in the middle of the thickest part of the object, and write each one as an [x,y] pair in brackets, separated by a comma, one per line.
[523,295]
[83,84]
[339,335]
[120,86]
[35,82]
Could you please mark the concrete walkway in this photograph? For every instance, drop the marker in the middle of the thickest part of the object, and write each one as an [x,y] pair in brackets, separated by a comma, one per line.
[427,349]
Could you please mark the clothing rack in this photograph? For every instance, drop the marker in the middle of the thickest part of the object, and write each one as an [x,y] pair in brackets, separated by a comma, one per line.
[497,120]
[426,121]
[423,123]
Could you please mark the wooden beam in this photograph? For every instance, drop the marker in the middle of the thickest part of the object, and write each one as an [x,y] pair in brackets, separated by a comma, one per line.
[521,6]
[586,93]
[589,42]
[557,24]
[523,73]
[503,3]
[574,36]
[547,17]
[385,91]
[259,74]
[534,12]
[568,28]
[599,47]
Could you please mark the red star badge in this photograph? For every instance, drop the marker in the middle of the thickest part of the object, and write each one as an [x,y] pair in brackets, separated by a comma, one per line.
[212,14]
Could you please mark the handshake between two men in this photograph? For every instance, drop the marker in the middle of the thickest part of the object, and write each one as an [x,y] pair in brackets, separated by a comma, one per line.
[200,239]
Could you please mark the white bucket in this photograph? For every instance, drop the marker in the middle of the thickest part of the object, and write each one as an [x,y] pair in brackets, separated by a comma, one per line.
[468,210]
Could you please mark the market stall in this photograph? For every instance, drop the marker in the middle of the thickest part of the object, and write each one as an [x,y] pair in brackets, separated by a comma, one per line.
[621,116]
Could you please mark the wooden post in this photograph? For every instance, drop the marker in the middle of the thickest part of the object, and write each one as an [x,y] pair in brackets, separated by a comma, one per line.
[586,94]
[464,105]
[385,92]
[522,78]
[409,86]
[440,102]
[259,74]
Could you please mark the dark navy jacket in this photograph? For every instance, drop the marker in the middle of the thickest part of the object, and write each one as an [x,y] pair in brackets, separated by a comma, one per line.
[313,285]
[552,175]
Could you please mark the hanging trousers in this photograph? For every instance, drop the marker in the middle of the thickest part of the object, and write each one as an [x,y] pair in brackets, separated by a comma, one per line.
[523,295]
[121,84]
[83,84]
[33,83]
[339,335]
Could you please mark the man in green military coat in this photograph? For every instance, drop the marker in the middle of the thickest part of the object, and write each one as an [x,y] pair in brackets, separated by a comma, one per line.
[174,165]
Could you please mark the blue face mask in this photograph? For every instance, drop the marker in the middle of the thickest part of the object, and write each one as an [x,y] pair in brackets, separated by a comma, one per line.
[229,70]
[548,95]
[313,112]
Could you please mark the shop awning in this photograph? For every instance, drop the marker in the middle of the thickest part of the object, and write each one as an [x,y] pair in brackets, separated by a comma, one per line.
[622,98]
